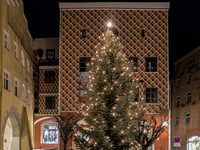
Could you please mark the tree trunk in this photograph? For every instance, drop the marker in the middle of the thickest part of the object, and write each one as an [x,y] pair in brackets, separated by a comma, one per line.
[65,145]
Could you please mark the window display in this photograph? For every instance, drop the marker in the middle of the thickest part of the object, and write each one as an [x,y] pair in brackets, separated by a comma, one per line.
[50,134]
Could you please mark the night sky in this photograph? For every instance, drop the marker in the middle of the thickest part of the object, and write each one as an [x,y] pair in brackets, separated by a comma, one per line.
[184,23]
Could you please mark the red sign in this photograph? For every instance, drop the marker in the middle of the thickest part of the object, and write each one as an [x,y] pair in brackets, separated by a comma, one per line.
[177,139]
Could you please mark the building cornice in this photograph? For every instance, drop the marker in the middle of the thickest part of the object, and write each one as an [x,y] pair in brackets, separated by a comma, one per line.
[115,5]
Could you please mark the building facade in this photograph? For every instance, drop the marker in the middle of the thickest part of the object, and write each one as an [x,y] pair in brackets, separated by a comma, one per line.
[142,29]
[185,101]
[46,70]
[16,72]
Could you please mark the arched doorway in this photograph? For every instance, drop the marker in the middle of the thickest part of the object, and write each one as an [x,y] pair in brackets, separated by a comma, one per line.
[193,143]
[11,134]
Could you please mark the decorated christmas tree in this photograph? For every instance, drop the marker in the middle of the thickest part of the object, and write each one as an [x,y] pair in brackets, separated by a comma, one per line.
[110,110]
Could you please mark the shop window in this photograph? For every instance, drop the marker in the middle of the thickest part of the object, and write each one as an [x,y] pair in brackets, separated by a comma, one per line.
[50,102]
[50,133]
[151,64]
[84,64]
[151,95]
[49,76]
[134,60]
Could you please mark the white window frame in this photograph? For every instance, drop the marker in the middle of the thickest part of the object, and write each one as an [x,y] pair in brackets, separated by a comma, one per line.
[176,120]
[177,101]
[16,50]
[6,40]
[22,59]
[187,118]
[29,97]
[31,72]
[7,78]
[16,85]
[188,95]
[23,92]
[28,66]
[188,77]
[178,83]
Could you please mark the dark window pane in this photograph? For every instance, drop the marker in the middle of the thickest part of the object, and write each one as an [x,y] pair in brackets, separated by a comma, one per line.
[50,102]
[84,33]
[49,76]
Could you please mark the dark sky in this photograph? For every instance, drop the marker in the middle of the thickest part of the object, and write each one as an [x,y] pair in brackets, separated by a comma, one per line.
[184,23]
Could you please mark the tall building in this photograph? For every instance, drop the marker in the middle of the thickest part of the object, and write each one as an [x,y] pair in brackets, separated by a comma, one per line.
[142,29]
[16,71]
[46,70]
[185,101]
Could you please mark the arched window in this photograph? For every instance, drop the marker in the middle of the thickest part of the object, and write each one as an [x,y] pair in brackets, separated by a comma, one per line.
[193,143]
[50,133]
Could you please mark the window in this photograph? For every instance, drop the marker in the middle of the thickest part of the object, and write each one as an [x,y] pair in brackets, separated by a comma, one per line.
[83,33]
[50,102]
[178,101]
[6,80]
[187,118]
[49,76]
[16,87]
[84,64]
[16,50]
[28,66]
[143,33]
[189,78]
[50,54]
[6,40]
[22,58]
[151,95]
[23,92]
[151,64]
[178,83]
[189,97]
[32,72]
[50,133]
[176,120]
[134,60]
[29,98]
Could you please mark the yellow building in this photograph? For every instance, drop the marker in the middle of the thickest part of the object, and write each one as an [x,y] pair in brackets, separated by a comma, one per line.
[16,72]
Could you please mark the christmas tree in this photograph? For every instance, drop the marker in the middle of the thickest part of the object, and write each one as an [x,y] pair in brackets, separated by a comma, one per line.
[110,110]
